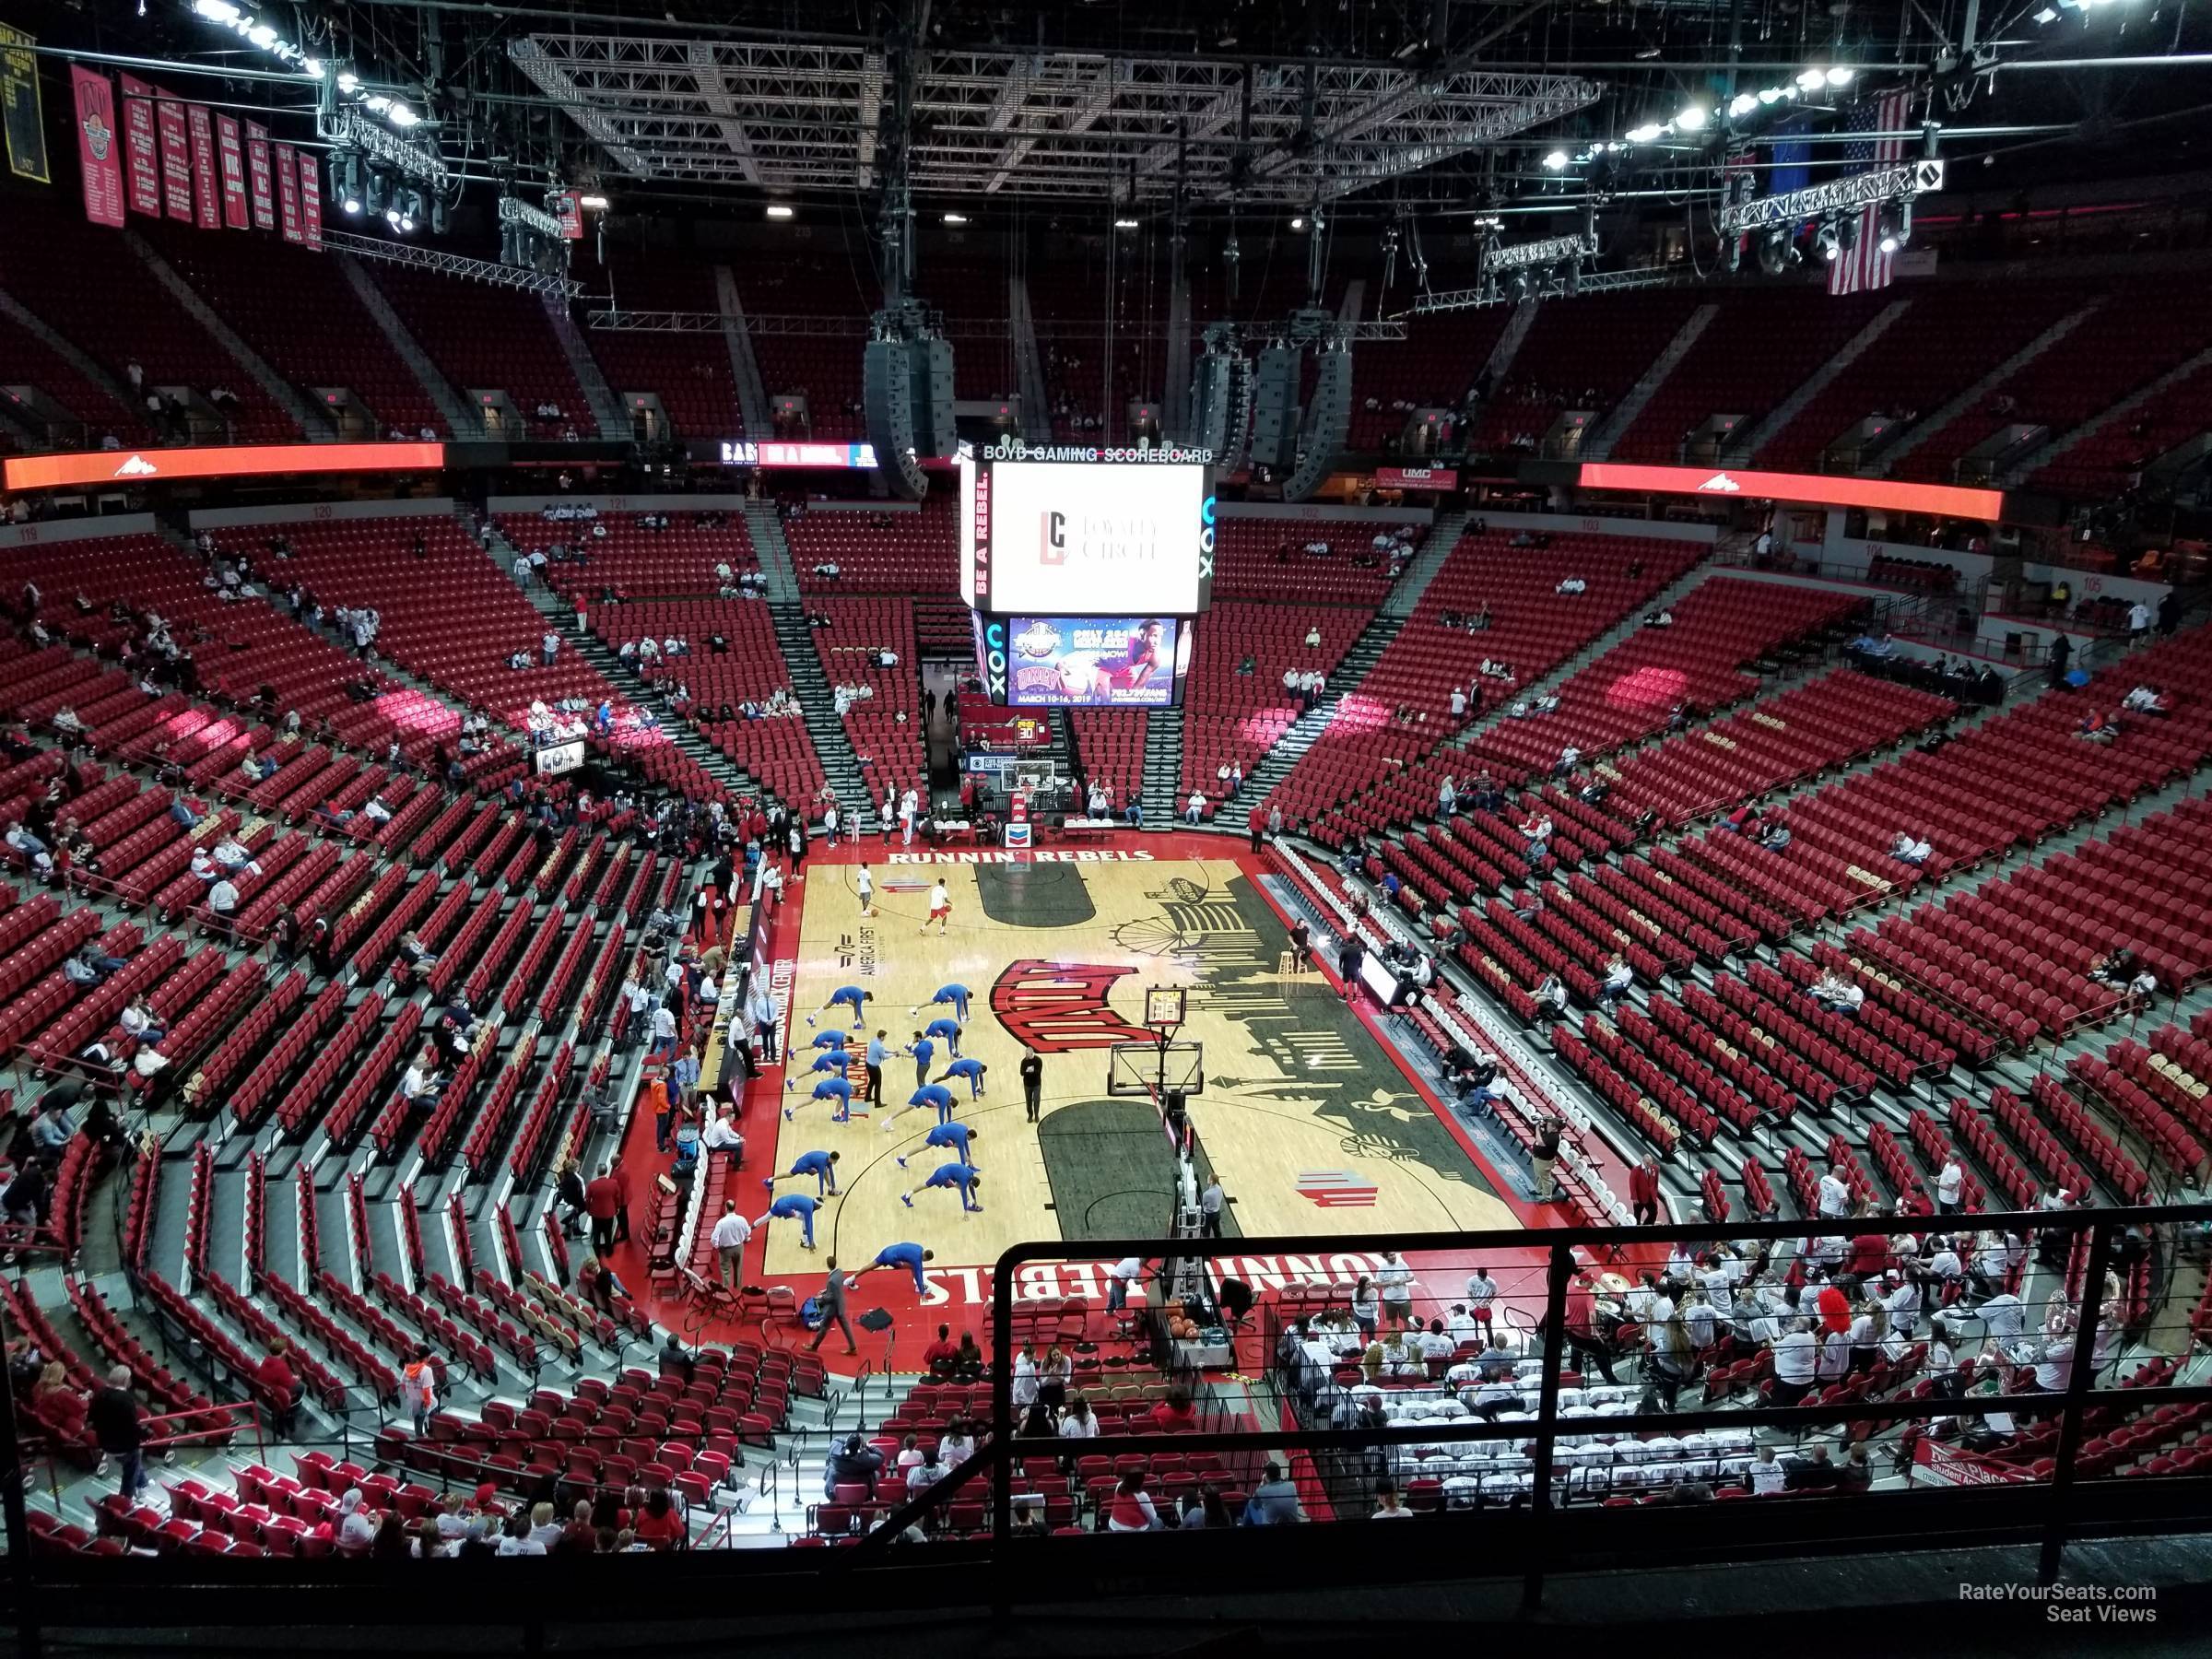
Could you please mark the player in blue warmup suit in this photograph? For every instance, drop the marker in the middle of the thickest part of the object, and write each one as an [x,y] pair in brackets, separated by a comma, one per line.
[852,996]
[834,1062]
[910,1256]
[790,1206]
[924,1051]
[951,1175]
[820,1165]
[947,1031]
[974,1071]
[833,1038]
[936,1095]
[955,1136]
[955,994]
[830,1089]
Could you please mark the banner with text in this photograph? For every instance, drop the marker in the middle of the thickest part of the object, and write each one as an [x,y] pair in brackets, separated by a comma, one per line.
[141,152]
[230,155]
[1416,477]
[310,200]
[207,193]
[99,145]
[176,158]
[261,184]
[20,112]
[288,194]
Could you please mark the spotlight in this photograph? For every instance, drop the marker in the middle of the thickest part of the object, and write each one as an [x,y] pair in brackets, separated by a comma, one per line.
[216,11]
[1521,284]
[1778,252]
[402,117]
[348,82]
[345,175]
[1644,134]
[778,210]
[392,217]
[592,204]
[1124,224]
[380,189]
[1692,119]
[1299,223]
[1812,80]
[437,216]
[955,218]
[1742,104]
[1894,227]
[1555,161]
[1829,241]
[1839,77]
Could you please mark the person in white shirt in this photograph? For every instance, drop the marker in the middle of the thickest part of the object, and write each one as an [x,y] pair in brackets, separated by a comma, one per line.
[2054,1370]
[1950,1181]
[1908,850]
[1835,1357]
[1194,809]
[1902,1301]
[2004,1317]
[1076,1422]
[1835,1194]
[731,1235]
[721,1136]
[1459,702]
[1463,1325]
[1395,1279]
[1766,1476]
[1796,1363]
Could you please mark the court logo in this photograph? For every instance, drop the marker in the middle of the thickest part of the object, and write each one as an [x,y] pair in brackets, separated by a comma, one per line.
[1336,1189]
[1057,1008]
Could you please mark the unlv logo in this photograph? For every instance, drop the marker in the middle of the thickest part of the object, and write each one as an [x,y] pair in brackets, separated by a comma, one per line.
[1052,539]
[1057,1008]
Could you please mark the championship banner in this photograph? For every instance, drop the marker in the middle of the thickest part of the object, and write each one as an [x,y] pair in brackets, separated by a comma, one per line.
[230,152]
[19,110]
[176,158]
[206,196]
[310,200]
[99,145]
[568,208]
[288,194]
[261,185]
[141,154]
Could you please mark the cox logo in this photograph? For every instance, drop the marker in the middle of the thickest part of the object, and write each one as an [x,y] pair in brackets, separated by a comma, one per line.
[1205,540]
[995,661]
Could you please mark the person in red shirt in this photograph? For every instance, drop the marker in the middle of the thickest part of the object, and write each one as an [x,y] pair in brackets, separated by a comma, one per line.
[603,1202]
[1644,1192]
[1173,1411]
[281,1383]
[1869,1253]
[940,1355]
[621,1177]
[659,1526]
[1582,1339]
[1256,821]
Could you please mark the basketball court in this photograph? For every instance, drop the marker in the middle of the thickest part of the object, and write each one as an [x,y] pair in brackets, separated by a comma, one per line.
[1307,1119]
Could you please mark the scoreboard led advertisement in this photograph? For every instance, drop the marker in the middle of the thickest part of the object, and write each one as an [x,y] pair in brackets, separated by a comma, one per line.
[1069,531]
[1091,662]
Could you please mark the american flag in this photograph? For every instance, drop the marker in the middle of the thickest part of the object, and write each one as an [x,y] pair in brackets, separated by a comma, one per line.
[1862,264]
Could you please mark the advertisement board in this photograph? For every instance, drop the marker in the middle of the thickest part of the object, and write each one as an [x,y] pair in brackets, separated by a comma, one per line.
[145,466]
[1091,662]
[556,758]
[1943,500]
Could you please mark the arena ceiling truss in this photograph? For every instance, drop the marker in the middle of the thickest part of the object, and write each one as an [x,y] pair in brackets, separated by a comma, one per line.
[802,117]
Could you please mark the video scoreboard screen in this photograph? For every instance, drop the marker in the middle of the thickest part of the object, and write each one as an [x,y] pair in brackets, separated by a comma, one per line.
[1074,531]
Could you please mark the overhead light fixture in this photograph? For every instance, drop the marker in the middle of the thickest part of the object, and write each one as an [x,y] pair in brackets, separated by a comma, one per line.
[1124,224]
[592,204]
[1812,80]
[778,210]
[1831,242]
[1771,95]
[1692,119]
[1299,223]
[1742,104]
[1555,161]
[349,81]
[1839,77]
[402,117]
[1644,134]
[955,218]
[216,11]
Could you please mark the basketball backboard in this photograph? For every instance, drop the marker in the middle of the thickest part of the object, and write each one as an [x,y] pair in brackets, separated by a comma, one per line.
[1140,1068]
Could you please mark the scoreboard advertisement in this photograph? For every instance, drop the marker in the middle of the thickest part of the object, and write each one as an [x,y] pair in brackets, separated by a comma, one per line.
[1087,568]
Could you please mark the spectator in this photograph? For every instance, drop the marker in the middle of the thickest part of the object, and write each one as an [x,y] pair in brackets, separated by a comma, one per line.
[114,1416]
[1274,1502]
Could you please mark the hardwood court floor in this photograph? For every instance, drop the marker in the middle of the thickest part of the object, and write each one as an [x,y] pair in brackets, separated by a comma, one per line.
[1309,1121]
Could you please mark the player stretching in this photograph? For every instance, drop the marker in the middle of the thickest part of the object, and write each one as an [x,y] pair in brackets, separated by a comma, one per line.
[951,1175]
[829,1089]
[948,1031]
[832,1061]
[955,994]
[974,1071]
[852,996]
[940,909]
[820,1165]
[834,1038]
[909,1255]
[794,1204]
[929,1095]
[867,891]
[956,1136]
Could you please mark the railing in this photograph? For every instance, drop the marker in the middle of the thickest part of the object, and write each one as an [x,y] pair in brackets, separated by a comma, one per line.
[2045,1492]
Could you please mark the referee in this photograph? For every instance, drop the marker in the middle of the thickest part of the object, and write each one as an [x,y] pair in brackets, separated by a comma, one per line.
[1032,1082]
[878,1051]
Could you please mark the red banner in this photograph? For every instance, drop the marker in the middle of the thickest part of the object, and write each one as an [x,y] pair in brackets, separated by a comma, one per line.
[1943,501]
[207,196]
[141,153]
[230,151]
[288,193]
[104,467]
[569,210]
[310,201]
[99,145]
[176,158]
[260,180]
[1416,477]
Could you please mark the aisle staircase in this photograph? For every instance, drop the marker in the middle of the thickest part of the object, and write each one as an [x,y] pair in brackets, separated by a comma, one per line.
[1164,765]
[810,685]
[1306,730]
